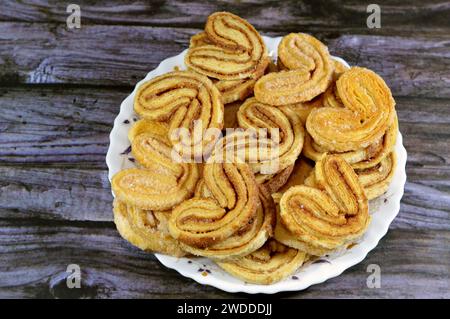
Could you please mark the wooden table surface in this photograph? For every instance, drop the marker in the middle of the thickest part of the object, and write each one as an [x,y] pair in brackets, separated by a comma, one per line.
[61,89]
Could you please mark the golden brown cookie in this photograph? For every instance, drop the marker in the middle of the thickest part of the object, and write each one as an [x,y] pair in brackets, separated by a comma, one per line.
[146,229]
[231,90]
[247,239]
[309,72]
[362,158]
[255,115]
[185,101]
[376,180]
[271,263]
[368,113]
[237,52]
[331,214]
[227,217]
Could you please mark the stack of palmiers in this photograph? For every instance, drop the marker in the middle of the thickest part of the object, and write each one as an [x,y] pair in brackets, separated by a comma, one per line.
[258,215]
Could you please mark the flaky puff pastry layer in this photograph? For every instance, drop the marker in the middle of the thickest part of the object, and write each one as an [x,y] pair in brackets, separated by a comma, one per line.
[145,229]
[183,100]
[367,113]
[364,158]
[155,190]
[376,180]
[308,72]
[271,263]
[247,239]
[160,182]
[230,90]
[331,214]
[272,183]
[236,52]
[232,207]
[255,115]
[330,96]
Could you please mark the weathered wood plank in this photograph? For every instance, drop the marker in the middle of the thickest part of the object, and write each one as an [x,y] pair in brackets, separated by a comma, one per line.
[398,17]
[96,55]
[35,257]
[54,144]
[84,195]
[69,194]
[54,138]
[43,125]
[71,126]
[387,56]
[121,55]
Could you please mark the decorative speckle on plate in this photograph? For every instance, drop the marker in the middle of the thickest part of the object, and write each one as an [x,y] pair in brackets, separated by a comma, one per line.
[189,261]
[126,122]
[135,119]
[295,277]
[385,200]
[131,159]
[127,151]
[200,270]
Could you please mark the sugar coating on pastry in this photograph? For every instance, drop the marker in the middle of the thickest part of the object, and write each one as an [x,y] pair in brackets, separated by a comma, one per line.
[255,115]
[307,72]
[244,241]
[237,50]
[146,230]
[232,206]
[271,263]
[367,113]
[262,210]
[329,214]
[181,99]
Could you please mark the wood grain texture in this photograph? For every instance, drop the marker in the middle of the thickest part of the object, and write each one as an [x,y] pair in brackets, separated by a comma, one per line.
[95,55]
[112,268]
[267,15]
[60,91]
[48,124]
[121,55]
[62,137]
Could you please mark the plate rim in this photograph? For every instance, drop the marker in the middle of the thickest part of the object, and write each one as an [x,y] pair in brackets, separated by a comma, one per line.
[240,286]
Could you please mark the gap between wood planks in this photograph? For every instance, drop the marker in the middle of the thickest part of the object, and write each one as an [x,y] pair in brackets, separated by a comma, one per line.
[121,56]
[282,16]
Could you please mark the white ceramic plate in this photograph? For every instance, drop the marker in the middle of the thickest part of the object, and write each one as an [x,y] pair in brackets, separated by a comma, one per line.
[383,209]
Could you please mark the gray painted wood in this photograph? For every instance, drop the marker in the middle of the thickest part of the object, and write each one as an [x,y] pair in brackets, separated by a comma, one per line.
[110,267]
[121,55]
[60,91]
[285,16]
